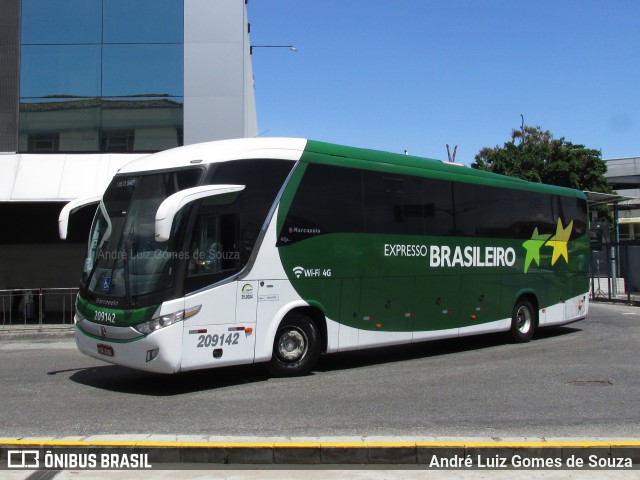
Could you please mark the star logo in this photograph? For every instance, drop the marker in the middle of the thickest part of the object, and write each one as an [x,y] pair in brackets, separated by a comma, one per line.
[559,242]
[533,247]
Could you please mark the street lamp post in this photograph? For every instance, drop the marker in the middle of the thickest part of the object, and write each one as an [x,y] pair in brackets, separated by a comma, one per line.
[290,47]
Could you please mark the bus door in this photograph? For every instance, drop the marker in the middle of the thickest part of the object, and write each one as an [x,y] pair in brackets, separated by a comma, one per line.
[438,307]
[221,332]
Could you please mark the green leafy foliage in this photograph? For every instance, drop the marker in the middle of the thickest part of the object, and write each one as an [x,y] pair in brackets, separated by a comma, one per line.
[534,155]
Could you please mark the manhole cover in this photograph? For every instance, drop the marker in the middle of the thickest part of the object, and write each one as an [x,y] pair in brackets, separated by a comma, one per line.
[590,383]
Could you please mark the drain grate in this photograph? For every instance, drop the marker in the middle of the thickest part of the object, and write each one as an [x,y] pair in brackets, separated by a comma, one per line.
[590,383]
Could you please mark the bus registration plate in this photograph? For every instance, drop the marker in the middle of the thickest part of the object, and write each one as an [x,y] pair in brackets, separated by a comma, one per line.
[105,350]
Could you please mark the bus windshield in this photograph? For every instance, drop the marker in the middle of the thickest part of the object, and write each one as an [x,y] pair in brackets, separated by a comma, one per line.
[123,259]
[126,266]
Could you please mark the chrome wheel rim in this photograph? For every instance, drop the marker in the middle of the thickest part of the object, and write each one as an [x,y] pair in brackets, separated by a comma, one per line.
[523,320]
[292,345]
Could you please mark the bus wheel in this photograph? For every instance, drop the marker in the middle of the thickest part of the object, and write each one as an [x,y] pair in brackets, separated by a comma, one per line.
[296,348]
[523,322]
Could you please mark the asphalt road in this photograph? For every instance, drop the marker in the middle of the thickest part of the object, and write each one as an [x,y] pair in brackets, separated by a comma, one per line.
[582,380]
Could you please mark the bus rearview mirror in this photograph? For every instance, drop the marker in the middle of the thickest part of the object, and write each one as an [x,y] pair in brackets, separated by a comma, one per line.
[170,207]
[71,207]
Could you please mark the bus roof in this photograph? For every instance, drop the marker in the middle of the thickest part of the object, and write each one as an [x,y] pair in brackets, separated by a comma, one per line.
[218,151]
[350,156]
[295,149]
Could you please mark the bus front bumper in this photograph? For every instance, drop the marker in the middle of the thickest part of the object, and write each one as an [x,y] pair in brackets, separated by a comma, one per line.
[158,352]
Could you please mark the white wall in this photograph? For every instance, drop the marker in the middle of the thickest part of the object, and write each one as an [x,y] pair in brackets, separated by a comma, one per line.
[219,101]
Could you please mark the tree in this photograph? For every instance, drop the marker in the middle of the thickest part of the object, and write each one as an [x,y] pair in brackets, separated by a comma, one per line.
[534,155]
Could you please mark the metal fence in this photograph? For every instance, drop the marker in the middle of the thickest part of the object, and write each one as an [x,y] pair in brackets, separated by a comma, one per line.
[37,307]
[615,272]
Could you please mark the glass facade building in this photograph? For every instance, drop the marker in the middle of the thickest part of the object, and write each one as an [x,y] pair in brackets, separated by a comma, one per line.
[87,86]
[128,76]
[101,75]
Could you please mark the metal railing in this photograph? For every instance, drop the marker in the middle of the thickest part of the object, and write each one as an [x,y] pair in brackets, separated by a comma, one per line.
[37,307]
[615,272]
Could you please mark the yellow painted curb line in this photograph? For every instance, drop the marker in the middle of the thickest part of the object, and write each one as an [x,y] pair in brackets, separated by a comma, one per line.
[329,444]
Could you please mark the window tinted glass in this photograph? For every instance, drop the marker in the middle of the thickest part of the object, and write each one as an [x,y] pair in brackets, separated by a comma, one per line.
[490,213]
[438,207]
[393,203]
[50,70]
[335,199]
[503,213]
[534,210]
[143,21]
[463,217]
[93,70]
[142,70]
[574,209]
[226,231]
[328,200]
[124,258]
[263,180]
[61,21]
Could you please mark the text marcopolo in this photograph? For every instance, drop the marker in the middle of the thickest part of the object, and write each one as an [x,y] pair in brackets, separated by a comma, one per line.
[446,256]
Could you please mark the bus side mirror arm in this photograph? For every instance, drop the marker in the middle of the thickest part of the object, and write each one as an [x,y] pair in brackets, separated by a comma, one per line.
[71,207]
[169,208]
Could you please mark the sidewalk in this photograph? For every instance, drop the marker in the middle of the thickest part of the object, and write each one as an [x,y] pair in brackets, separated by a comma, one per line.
[264,473]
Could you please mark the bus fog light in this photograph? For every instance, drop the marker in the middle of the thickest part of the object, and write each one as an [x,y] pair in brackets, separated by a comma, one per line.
[152,354]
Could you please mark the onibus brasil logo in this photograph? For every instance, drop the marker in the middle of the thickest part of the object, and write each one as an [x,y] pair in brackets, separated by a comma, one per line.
[558,242]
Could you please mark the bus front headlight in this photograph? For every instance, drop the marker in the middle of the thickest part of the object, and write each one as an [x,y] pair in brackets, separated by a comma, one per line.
[158,323]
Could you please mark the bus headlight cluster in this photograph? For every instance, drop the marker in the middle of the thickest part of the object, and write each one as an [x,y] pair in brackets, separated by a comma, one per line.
[158,323]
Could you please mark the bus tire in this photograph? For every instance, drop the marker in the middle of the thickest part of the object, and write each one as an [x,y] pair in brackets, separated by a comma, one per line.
[523,321]
[296,346]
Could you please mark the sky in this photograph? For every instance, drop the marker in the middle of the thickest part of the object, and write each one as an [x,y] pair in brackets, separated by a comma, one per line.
[417,75]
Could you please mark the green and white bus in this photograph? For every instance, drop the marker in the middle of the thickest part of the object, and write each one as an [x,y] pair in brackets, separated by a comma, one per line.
[280,250]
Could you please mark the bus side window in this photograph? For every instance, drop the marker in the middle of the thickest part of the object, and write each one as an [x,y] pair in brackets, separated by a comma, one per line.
[214,249]
[574,210]
[393,204]
[437,198]
[328,200]
[206,254]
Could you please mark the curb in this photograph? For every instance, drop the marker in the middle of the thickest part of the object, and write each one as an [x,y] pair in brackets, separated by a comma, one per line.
[36,332]
[337,452]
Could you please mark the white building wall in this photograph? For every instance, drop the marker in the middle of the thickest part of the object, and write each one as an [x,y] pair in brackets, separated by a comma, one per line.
[219,101]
